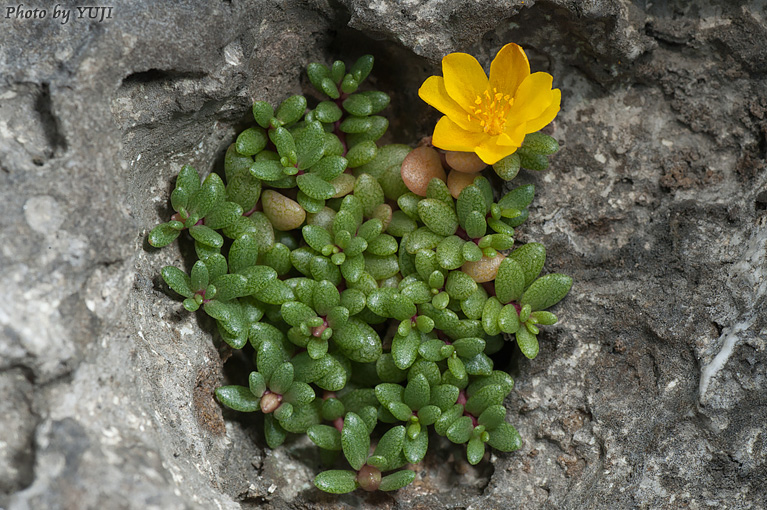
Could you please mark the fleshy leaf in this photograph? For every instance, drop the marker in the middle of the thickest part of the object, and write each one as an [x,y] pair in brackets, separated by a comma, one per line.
[390,444]
[528,342]
[415,449]
[178,280]
[206,236]
[238,398]
[439,217]
[459,431]
[325,436]
[505,438]
[531,258]
[163,234]
[547,291]
[417,392]
[397,480]
[475,450]
[336,481]
[355,440]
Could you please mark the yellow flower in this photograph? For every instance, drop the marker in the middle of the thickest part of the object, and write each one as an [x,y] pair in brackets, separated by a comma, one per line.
[489,117]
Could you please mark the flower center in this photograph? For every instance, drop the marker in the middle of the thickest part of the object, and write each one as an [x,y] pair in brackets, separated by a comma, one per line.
[491,110]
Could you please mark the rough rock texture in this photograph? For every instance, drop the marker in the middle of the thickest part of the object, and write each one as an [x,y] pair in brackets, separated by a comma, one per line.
[650,393]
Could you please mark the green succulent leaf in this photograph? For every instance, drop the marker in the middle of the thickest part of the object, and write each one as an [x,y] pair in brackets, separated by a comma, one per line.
[164,234]
[370,193]
[263,113]
[291,109]
[210,193]
[387,371]
[505,438]
[333,408]
[267,170]
[281,379]
[543,318]
[238,398]
[480,364]
[448,417]
[388,393]
[178,280]
[390,446]
[325,436]
[230,286]
[206,236]
[415,448]
[257,384]
[444,396]
[328,112]
[284,412]
[547,291]
[508,167]
[449,252]
[439,217]
[251,141]
[405,349]
[485,397]
[355,440]
[417,392]
[397,480]
[362,67]
[492,417]
[528,342]
[460,285]
[508,320]
[315,187]
[358,341]
[475,450]
[531,258]
[460,430]
[358,104]
[496,378]
[187,184]
[437,189]
[336,481]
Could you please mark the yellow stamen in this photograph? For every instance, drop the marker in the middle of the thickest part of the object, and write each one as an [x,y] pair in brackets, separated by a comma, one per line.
[492,117]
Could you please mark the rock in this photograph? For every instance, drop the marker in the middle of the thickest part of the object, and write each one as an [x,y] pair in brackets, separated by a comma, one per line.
[649,392]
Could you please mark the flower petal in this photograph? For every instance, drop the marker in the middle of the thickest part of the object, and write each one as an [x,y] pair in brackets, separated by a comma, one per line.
[509,69]
[464,78]
[491,152]
[548,114]
[450,136]
[433,93]
[532,98]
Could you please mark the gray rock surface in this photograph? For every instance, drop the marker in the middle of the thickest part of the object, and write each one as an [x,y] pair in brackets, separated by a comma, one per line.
[650,393]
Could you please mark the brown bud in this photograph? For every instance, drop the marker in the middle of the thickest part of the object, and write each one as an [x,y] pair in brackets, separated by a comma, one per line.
[369,478]
[270,402]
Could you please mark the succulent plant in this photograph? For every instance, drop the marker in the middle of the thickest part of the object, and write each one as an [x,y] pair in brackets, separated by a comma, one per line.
[372,283]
